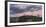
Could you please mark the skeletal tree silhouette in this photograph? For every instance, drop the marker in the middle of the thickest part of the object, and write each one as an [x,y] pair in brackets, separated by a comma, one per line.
[38,15]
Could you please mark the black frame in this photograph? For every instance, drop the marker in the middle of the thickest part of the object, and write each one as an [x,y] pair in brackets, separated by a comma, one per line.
[23,2]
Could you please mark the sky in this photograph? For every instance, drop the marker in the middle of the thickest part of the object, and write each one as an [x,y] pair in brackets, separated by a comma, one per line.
[17,10]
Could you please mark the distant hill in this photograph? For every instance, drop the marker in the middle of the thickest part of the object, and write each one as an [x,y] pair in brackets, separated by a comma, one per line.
[25,19]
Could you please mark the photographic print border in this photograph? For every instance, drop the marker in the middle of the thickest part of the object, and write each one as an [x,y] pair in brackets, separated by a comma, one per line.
[22,2]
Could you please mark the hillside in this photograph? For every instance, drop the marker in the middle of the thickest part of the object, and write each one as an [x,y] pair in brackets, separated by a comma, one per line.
[25,19]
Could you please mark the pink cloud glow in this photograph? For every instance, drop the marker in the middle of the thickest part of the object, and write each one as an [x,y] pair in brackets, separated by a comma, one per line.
[35,13]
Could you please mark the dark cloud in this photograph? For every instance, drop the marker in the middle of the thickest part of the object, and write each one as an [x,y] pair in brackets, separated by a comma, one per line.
[18,9]
[34,8]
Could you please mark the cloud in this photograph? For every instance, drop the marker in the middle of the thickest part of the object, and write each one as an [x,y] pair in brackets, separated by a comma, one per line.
[34,8]
[20,8]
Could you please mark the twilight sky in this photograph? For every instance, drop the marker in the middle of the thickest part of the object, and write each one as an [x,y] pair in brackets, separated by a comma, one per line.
[17,10]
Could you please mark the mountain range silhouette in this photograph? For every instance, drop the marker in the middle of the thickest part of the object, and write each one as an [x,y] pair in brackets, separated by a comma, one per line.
[25,19]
